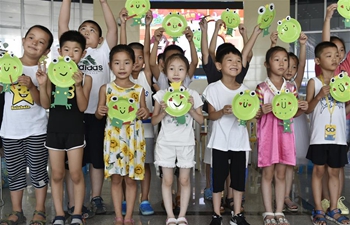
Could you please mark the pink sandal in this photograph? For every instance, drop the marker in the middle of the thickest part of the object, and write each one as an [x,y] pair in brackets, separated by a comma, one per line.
[118,221]
[129,222]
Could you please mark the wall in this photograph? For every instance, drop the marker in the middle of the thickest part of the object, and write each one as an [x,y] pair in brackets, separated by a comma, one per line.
[257,71]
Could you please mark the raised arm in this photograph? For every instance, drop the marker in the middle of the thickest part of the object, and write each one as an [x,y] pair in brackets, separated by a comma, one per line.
[273,38]
[82,91]
[44,88]
[147,46]
[64,17]
[153,58]
[326,31]
[310,95]
[302,60]
[112,28]
[243,32]
[249,45]
[123,14]
[194,57]
[203,24]
[214,39]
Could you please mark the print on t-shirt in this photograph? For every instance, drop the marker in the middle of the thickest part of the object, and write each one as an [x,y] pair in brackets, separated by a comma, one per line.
[89,64]
[21,95]
[331,100]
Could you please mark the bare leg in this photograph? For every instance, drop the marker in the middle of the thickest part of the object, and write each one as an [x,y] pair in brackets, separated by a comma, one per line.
[317,175]
[184,180]
[16,200]
[117,194]
[40,197]
[341,181]
[167,181]
[145,183]
[70,189]
[96,177]
[217,202]
[280,186]
[266,189]
[207,176]
[130,194]
[237,195]
[325,190]
[333,185]
[289,182]
[57,161]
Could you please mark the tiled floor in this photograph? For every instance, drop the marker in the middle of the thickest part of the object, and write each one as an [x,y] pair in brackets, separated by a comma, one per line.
[199,211]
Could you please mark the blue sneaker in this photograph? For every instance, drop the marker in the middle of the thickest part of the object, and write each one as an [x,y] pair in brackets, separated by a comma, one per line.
[124,208]
[146,208]
[208,194]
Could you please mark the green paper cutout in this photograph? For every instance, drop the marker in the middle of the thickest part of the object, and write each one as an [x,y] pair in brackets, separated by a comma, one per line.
[340,87]
[288,29]
[61,70]
[122,109]
[6,88]
[181,119]
[115,122]
[174,25]
[243,123]
[287,126]
[176,99]
[197,37]
[266,16]
[346,23]
[10,68]
[137,9]
[344,8]
[284,105]
[266,32]
[61,97]
[245,105]
[231,18]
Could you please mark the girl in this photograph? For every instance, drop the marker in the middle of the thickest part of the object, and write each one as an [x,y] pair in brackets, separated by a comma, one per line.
[295,74]
[124,145]
[277,150]
[168,147]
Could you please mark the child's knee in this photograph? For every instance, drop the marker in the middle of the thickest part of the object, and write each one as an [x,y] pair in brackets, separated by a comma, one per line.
[167,181]
[57,176]
[77,177]
[184,181]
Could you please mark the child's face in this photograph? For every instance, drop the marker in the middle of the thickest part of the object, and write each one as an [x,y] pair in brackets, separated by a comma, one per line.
[329,59]
[278,63]
[231,65]
[73,50]
[292,69]
[341,49]
[139,60]
[176,70]
[36,42]
[90,32]
[121,65]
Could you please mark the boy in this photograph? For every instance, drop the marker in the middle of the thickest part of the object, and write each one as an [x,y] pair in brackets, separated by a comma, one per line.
[95,64]
[65,130]
[328,142]
[24,113]
[141,74]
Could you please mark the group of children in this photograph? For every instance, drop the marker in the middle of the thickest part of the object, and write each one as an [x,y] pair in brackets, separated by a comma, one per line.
[84,133]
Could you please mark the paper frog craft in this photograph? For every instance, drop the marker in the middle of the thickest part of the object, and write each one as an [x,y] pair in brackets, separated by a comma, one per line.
[288,29]
[61,70]
[137,10]
[176,99]
[121,110]
[344,11]
[10,69]
[231,19]
[197,36]
[266,16]
[174,25]
[61,96]
[284,107]
[245,105]
[340,87]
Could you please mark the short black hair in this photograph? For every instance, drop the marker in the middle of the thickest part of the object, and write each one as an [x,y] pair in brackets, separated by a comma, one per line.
[122,48]
[292,55]
[173,47]
[45,30]
[225,49]
[335,38]
[321,46]
[272,50]
[176,56]
[136,45]
[160,57]
[74,36]
[94,23]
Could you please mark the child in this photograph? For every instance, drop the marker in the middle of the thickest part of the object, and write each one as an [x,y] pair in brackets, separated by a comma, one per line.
[168,148]
[277,150]
[65,130]
[295,74]
[162,80]
[219,96]
[326,148]
[95,64]
[124,148]
[142,75]
[24,113]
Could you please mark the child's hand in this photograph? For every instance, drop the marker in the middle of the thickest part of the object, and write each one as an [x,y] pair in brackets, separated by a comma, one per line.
[149,18]
[258,114]
[102,110]
[302,38]
[274,37]
[218,24]
[142,113]
[41,76]
[303,105]
[257,29]
[78,78]
[227,110]
[158,34]
[330,10]
[123,15]
[203,24]
[190,100]
[103,1]
[242,29]
[25,81]
[266,108]
[163,105]
[324,91]
[188,34]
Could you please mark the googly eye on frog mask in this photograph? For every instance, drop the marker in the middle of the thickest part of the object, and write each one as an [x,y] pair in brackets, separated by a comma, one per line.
[67,59]
[114,98]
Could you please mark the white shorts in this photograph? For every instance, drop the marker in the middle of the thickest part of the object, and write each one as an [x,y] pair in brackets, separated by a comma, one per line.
[166,156]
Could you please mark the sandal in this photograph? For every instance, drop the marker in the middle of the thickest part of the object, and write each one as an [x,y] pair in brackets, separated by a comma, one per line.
[118,221]
[77,220]
[330,215]
[290,205]
[20,218]
[222,208]
[128,222]
[281,218]
[38,222]
[182,221]
[59,220]
[317,217]
[171,221]
[269,221]
[229,203]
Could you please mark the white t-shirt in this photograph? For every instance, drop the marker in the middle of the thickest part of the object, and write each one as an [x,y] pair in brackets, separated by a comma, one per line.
[22,116]
[226,134]
[163,81]
[172,133]
[142,80]
[320,117]
[95,64]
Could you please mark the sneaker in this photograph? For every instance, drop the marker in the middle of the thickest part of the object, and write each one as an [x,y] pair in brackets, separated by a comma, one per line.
[325,204]
[208,194]
[86,213]
[216,220]
[238,219]
[342,207]
[98,206]
[124,208]
[146,208]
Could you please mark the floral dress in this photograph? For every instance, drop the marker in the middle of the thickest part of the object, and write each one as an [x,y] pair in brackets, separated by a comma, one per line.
[124,147]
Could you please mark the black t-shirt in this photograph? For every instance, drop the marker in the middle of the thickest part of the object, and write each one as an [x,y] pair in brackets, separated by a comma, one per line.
[214,75]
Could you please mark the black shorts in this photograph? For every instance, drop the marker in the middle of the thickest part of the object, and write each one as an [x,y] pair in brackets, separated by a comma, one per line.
[335,156]
[64,141]
[222,167]
[94,137]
